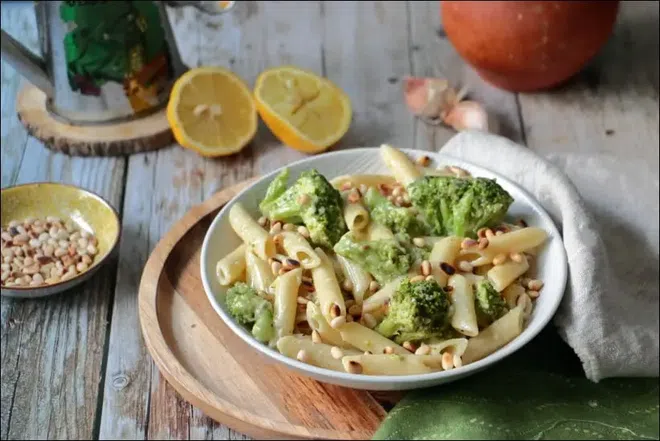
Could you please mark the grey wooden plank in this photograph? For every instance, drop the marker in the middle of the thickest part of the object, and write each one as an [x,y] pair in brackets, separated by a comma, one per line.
[138,403]
[611,107]
[366,48]
[434,56]
[17,20]
[52,349]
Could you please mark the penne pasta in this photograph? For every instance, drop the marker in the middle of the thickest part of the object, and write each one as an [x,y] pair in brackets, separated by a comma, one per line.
[464,319]
[380,297]
[517,241]
[311,317]
[403,169]
[258,273]
[318,323]
[317,354]
[511,294]
[327,288]
[366,339]
[393,364]
[356,180]
[360,279]
[251,232]
[444,251]
[230,268]
[356,216]
[457,346]
[503,275]
[286,305]
[495,336]
[297,247]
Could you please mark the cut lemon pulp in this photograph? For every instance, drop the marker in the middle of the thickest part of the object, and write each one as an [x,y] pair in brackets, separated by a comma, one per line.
[212,111]
[304,111]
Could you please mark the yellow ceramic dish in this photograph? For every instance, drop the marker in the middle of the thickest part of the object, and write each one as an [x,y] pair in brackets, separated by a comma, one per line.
[87,210]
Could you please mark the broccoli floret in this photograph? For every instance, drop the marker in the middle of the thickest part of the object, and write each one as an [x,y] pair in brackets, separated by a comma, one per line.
[459,206]
[400,220]
[249,309]
[311,200]
[417,311]
[417,254]
[385,259]
[489,304]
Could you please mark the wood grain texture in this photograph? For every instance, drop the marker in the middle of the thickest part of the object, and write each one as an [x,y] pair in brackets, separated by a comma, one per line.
[211,366]
[125,138]
[610,108]
[52,349]
[433,56]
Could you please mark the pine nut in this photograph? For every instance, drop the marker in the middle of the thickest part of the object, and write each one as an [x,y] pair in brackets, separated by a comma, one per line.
[483,243]
[302,356]
[423,160]
[423,350]
[419,242]
[516,257]
[347,285]
[535,285]
[426,268]
[353,197]
[81,267]
[303,231]
[288,227]
[21,239]
[489,234]
[276,228]
[499,259]
[447,361]
[300,300]
[355,310]
[338,322]
[397,192]
[409,346]
[354,367]
[262,221]
[533,294]
[374,286]
[388,350]
[336,353]
[417,279]
[368,320]
[316,337]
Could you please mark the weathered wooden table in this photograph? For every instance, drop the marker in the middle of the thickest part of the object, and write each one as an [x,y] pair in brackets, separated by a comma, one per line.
[74,366]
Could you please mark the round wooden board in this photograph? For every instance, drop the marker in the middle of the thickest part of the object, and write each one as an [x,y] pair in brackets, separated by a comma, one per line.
[125,138]
[216,371]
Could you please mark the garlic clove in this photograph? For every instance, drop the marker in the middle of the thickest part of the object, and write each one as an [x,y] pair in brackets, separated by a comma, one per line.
[467,115]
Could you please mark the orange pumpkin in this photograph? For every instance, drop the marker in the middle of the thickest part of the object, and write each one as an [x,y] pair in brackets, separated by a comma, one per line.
[528,45]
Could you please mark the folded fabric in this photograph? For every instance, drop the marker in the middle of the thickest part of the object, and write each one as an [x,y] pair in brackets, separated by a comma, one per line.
[537,393]
[609,225]
[609,314]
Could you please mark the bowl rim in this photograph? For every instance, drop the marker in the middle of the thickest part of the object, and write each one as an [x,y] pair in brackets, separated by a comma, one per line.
[400,380]
[95,265]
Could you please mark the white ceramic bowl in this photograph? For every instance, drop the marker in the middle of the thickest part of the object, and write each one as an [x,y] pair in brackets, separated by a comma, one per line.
[552,266]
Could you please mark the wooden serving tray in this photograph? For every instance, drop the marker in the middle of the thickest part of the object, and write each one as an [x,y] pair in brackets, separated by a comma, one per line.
[216,371]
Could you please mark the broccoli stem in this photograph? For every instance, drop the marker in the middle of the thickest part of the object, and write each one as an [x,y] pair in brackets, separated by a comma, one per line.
[263,329]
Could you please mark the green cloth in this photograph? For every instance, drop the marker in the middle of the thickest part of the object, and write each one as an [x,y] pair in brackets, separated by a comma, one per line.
[538,393]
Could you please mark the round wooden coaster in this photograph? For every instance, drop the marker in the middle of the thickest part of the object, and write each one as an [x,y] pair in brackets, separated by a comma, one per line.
[125,138]
[216,371]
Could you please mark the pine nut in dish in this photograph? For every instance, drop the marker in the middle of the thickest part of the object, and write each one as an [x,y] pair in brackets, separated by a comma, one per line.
[419,242]
[423,350]
[535,285]
[426,268]
[336,353]
[409,346]
[499,259]
[29,248]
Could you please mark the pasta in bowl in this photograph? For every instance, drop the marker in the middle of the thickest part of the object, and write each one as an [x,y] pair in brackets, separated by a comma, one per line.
[370,268]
